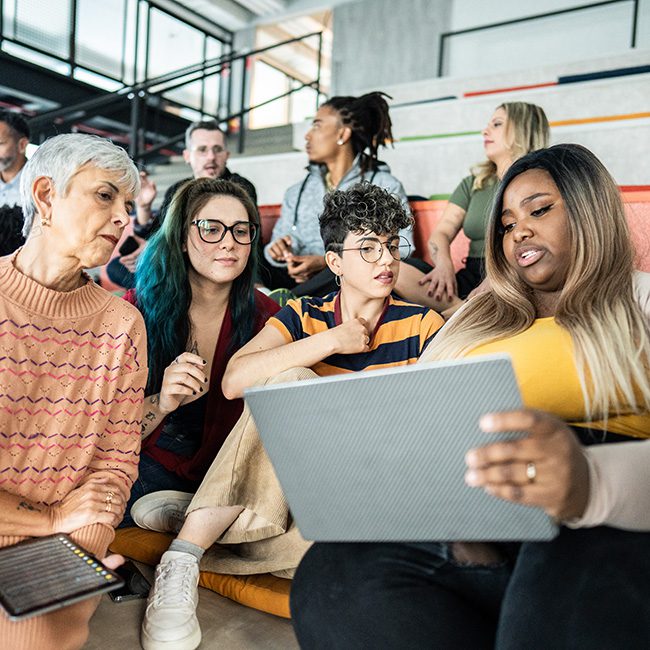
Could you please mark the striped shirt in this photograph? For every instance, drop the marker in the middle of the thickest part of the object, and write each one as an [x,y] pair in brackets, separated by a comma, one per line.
[401,334]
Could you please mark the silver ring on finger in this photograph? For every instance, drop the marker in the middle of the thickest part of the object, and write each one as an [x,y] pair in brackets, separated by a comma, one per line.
[531,471]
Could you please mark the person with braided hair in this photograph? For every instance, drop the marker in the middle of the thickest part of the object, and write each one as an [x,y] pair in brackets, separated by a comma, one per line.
[342,145]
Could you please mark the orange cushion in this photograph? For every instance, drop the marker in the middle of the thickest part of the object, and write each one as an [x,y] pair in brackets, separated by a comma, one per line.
[264,591]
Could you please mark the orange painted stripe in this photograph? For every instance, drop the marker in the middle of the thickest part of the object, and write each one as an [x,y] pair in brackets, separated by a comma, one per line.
[493,91]
[602,118]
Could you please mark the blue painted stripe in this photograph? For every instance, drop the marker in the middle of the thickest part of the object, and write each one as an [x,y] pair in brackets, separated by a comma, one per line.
[603,74]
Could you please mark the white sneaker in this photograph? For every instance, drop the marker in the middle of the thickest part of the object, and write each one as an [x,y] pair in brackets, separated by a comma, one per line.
[170,622]
[163,511]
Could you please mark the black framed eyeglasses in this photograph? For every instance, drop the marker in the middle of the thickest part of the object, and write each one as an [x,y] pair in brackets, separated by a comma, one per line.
[371,250]
[212,231]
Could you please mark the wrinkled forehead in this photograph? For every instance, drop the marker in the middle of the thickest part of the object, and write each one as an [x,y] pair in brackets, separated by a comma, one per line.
[124,180]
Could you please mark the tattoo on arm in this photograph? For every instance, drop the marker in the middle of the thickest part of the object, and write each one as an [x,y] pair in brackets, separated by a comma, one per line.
[154,399]
[150,416]
[24,505]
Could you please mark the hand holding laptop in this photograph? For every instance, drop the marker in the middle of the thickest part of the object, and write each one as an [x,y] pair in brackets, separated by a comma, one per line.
[547,469]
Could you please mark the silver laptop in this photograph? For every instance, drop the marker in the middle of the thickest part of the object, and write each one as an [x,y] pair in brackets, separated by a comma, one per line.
[379,456]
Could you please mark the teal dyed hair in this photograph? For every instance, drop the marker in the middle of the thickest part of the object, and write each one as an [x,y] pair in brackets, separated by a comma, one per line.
[163,290]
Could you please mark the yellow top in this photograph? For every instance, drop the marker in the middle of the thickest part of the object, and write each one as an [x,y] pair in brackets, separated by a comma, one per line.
[544,365]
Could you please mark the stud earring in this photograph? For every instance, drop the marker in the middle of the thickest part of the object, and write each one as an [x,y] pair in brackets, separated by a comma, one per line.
[45,222]
[340,142]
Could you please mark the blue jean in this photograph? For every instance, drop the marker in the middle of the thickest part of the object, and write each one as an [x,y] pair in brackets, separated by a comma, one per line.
[153,477]
[585,589]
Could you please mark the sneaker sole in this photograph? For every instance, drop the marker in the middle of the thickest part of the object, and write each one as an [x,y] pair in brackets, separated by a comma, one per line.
[188,643]
[149,503]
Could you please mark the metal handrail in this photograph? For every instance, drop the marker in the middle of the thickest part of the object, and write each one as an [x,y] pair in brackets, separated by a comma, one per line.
[151,151]
[204,68]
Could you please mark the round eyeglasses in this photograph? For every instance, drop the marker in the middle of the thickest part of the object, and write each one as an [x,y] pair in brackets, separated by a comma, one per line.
[212,231]
[371,250]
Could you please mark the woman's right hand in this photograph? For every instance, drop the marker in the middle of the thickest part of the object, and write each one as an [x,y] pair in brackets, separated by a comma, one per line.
[184,381]
[351,337]
[441,280]
[98,501]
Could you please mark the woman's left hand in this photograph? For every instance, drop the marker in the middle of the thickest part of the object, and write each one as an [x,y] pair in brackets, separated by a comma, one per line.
[547,468]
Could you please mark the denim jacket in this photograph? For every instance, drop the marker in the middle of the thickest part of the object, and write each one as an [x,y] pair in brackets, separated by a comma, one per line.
[303,204]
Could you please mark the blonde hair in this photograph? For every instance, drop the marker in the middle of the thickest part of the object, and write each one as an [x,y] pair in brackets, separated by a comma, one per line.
[527,130]
[597,305]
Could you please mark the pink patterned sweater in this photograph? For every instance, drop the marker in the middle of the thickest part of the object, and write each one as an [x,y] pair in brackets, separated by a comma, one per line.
[73,366]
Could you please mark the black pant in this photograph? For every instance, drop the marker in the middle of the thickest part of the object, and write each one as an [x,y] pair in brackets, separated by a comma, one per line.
[469,277]
[586,589]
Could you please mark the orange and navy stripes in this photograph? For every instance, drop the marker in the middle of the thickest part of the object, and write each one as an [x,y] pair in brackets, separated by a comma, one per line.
[402,333]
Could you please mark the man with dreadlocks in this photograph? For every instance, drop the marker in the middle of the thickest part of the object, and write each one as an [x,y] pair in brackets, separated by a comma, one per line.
[342,146]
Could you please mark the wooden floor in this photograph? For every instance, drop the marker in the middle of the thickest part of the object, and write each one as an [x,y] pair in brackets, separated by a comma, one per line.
[225,625]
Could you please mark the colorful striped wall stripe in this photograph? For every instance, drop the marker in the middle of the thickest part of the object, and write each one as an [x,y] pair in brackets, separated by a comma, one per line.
[571,122]
[602,118]
[494,91]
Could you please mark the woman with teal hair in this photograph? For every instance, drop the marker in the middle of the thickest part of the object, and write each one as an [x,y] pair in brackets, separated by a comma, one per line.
[194,287]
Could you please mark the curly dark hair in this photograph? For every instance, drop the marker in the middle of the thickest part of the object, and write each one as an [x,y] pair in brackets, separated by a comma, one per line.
[363,207]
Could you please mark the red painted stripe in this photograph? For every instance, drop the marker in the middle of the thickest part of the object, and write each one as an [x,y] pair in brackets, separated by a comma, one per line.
[494,91]
[634,188]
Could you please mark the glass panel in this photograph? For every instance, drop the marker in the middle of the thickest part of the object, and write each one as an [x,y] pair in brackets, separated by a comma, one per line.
[174,45]
[267,82]
[303,105]
[100,35]
[45,25]
[8,15]
[593,32]
[213,83]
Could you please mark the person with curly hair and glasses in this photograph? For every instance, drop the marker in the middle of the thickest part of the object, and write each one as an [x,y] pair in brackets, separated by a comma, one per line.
[360,326]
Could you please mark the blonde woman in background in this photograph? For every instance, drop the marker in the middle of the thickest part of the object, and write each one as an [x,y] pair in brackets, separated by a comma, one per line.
[515,129]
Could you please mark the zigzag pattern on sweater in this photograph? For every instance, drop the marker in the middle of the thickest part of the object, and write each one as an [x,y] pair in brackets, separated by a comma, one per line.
[70,330]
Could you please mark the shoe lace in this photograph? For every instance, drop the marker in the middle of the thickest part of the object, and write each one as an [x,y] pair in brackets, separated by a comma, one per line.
[175,583]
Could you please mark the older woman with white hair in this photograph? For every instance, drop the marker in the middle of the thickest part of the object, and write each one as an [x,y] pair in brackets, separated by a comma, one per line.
[72,368]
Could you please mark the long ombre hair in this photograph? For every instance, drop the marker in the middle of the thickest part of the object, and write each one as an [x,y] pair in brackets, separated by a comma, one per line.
[163,289]
[527,130]
[597,305]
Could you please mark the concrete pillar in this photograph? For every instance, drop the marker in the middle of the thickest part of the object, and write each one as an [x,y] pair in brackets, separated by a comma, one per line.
[382,42]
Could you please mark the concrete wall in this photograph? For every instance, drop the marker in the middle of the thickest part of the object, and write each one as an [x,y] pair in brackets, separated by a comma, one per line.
[436,165]
[381,42]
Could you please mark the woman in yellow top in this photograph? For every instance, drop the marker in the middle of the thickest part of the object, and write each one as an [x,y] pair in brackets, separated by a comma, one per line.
[562,303]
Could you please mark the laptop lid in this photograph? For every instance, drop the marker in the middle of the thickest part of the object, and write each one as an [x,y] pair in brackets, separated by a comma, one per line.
[379,456]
